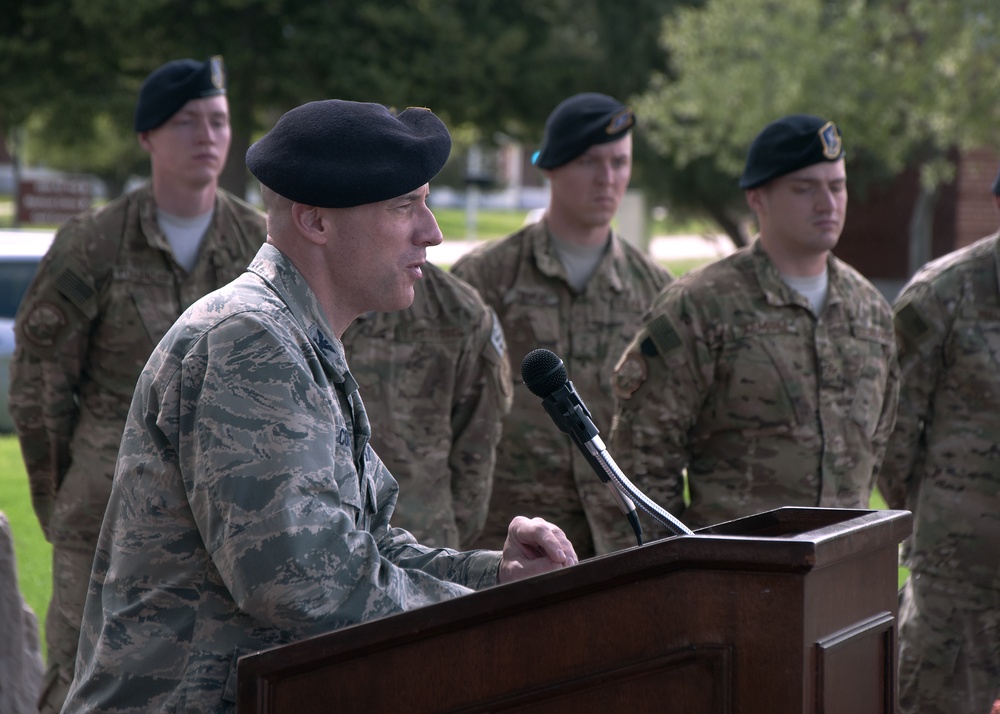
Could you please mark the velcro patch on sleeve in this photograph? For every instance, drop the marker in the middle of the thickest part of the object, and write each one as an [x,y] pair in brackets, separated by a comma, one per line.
[74,288]
[911,324]
[664,335]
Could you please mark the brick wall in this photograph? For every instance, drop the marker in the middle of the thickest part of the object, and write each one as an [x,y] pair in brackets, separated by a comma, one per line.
[876,233]
[977,214]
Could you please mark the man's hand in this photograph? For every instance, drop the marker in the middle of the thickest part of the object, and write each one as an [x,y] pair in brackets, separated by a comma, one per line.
[534,546]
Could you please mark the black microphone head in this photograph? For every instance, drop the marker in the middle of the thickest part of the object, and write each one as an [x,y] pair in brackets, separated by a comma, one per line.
[543,372]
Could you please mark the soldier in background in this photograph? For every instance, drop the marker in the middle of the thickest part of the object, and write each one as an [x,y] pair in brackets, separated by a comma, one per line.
[943,463]
[770,376]
[113,282]
[436,380]
[571,284]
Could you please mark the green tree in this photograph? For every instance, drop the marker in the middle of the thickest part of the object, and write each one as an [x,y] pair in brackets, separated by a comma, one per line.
[493,65]
[906,82]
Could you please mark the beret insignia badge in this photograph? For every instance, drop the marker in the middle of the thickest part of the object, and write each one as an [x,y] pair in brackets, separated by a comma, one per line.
[218,72]
[830,137]
[620,122]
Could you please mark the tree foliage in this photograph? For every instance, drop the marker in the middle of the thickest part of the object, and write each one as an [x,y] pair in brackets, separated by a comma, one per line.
[493,65]
[905,81]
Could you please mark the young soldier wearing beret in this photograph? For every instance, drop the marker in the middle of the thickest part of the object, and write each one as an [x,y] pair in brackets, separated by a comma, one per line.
[112,283]
[570,284]
[248,508]
[436,380]
[943,464]
[770,376]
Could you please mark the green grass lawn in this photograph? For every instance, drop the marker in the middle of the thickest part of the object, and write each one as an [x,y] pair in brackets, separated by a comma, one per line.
[34,554]
[490,225]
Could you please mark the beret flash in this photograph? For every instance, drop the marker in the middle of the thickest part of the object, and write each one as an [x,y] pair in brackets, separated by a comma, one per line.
[338,154]
[996,185]
[579,122]
[789,144]
[172,85]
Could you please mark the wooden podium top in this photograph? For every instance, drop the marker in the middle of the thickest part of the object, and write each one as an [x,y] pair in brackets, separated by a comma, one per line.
[772,552]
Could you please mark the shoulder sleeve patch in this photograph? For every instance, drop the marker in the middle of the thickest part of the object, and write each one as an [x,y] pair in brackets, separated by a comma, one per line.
[664,335]
[911,324]
[630,374]
[43,324]
[74,288]
[496,336]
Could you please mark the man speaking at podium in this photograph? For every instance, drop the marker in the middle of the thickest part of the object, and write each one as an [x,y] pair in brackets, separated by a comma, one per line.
[248,509]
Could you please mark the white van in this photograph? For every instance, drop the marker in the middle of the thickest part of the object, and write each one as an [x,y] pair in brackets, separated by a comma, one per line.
[20,254]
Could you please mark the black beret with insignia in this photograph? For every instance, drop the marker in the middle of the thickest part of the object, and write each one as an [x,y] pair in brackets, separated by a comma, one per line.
[580,122]
[338,154]
[172,85]
[996,185]
[789,144]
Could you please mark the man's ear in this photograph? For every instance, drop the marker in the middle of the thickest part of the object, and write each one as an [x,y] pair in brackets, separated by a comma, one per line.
[312,222]
[143,137]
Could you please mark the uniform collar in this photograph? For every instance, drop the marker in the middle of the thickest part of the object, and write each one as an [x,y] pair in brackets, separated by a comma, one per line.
[611,270]
[778,293]
[274,268]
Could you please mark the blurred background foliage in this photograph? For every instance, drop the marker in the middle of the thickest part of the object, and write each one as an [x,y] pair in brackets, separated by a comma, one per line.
[906,81]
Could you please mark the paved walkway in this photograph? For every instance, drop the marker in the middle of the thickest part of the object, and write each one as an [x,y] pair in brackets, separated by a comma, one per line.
[677,247]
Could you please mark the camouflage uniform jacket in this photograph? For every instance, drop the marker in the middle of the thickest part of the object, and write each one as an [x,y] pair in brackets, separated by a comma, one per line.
[943,459]
[436,381]
[105,293]
[248,508]
[539,470]
[734,378]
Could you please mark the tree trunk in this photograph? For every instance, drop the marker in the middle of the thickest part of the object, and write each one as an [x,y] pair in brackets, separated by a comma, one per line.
[921,230]
[734,228]
[235,176]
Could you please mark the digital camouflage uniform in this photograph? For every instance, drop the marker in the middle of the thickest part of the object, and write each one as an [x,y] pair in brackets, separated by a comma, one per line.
[105,293]
[943,463]
[248,508]
[734,378]
[436,381]
[539,469]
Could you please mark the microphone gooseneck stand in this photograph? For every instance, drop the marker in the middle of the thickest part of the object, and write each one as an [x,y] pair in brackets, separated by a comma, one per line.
[545,375]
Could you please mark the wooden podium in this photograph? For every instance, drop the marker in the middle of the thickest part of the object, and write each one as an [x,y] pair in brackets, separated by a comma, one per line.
[789,611]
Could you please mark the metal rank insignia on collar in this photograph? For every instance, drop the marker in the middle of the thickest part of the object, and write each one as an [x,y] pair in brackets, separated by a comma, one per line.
[830,137]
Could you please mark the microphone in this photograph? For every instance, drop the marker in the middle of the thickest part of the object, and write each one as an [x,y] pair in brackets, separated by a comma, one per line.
[545,376]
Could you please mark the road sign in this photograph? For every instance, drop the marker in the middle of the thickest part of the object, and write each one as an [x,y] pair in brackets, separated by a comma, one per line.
[52,201]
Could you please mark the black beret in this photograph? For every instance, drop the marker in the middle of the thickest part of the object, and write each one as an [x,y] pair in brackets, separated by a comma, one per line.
[996,185]
[580,122]
[789,144]
[172,85]
[338,154]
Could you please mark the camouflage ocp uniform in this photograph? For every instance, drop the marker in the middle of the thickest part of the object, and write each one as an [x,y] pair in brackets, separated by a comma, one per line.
[436,380]
[733,378]
[248,508]
[943,463]
[105,293]
[538,469]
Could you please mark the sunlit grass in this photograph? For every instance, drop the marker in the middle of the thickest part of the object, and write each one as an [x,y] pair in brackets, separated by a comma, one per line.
[33,552]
